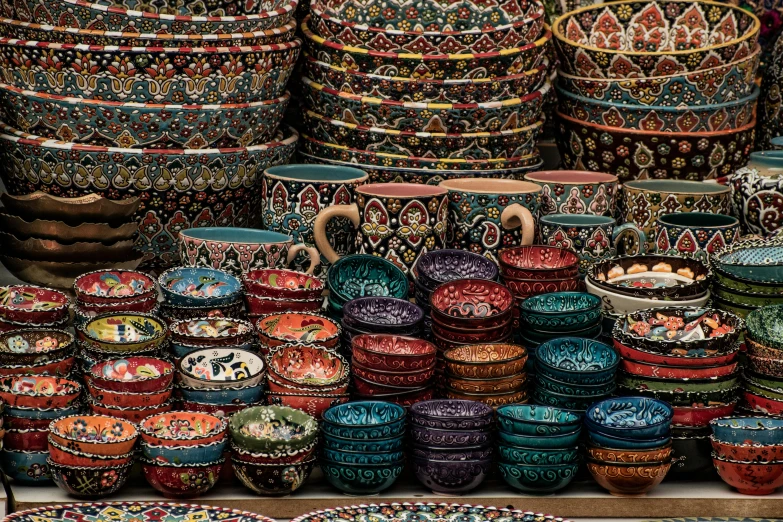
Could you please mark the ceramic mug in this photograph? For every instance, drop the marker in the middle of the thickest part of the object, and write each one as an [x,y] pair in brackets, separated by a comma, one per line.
[575,192]
[293,195]
[397,221]
[593,238]
[486,215]
[756,191]
[237,250]
[696,234]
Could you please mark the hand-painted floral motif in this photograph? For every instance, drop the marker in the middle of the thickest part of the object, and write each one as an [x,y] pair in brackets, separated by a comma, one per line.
[31,298]
[758,201]
[696,241]
[685,326]
[222,365]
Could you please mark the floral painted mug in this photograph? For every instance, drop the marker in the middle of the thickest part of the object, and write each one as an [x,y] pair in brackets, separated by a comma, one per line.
[576,192]
[695,234]
[593,238]
[396,221]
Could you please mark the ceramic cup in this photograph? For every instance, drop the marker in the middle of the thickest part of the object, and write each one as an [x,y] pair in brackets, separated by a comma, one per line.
[237,250]
[397,221]
[696,234]
[593,238]
[644,201]
[575,192]
[293,195]
[486,215]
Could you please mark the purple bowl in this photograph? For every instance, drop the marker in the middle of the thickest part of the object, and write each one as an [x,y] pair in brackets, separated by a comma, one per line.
[383,315]
[441,266]
[451,477]
[451,414]
[460,453]
[438,438]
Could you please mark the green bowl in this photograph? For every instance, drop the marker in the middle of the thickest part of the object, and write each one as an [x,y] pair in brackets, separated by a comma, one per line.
[627,380]
[739,310]
[272,429]
[765,326]
[747,299]
[764,380]
[538,478]
[364,275]
[758,389]
[537,456]
[745,285]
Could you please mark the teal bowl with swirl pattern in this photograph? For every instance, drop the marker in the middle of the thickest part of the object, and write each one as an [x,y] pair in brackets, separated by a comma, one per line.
[536,478]
[361,479]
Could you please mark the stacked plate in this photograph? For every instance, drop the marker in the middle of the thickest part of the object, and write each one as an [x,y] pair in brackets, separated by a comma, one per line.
[114,290]
[452,444]
[271,290]
[348,279]
[387,315]
[747,453]
[190,293]
[547,316]
[764,372]
[27,306]
[490,373]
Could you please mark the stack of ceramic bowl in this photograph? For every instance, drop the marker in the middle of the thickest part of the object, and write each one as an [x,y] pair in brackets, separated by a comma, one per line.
[546,316]
[37,351]
[386,354]
[573,373]
[490,373]
[684,356]
[25,306]
[748,454]
[272,448]
[273,290]
[297,327]
[363,275]
[747,276]
[763,392]
[91,456]
[190,293]
[441,266]
[61,237]
[109,290]
[617,103]
[307,377]
[629,450]
[387,315]
[190,335]
[458,90]
[182,452]
[537,447]
[362,451]
[452,444]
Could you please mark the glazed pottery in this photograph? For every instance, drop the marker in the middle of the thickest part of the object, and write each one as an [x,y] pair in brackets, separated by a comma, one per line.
[25,439]
[383,314]
[133,374]
[485,360]
[199,286]
[575,192]
[538,442]
[361,479]
[239,394]
[440,266]
[221,367]
[36,249]
[609,455]
[273,478]
[126,511]
[593,238]
[32,304]
[258,306]
[747,452]
[91,208]
[538,262]
[181,428]
[631,417]
[60,232]
[363,275]
[63,455]
[397,221]
[757,261]
[695,234]
[38,391]
[561,312]
[272,428]
[537,420]
[212,332]
[538,478]
[763,326]
[408,512]
[485,215]
[628,479]
[364,420]
[282,284]
[754,194]
[312,403]
[390,352]
[451,414]
[27,468]
[307,365]
[237,250]
[514,454]
[450,477]
[744,430]
[577,361]
[98,434]
[390,444]
[113,286]
[182,480]
[89,482]
[608,441]
[280,457]
[750,478]
[132,414]
[494,399]
[298,327]
[115,399]
[514,383]
[471,303]
[34,346]
[678,357]
[394,378]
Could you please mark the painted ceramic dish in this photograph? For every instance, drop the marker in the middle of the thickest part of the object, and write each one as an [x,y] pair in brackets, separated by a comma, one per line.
[221,367]
[652,276]
[127,511]
[123,332]
[440,266]
[628,479]
[273,478]
[364,420]
[577,361]
[309,328]
[750,478]
[692,358]
[123,399]
[390,352]
[32,304]
[174,480]
[89,482]
[374,477]
[113,286]
[38,391]
[758,261]
[747,430]
[307,365]
[26,467]
[485,360]
[34,346]
[284,284]
[212,331]
[537,420]
[198,286]
[271,428]
[363,275]
[632,417]
[409,512]
[562,312]
[133,374]
[477,302]
[451,414]
[538,262]
[179,428]
[763,326]
[383,314]
[96,434]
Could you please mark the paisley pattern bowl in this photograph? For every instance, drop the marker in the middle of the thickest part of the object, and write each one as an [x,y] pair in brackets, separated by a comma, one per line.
[118,332]
[632,417]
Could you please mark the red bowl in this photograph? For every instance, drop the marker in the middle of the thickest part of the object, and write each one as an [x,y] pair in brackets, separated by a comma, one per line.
[538,262]
[694,416]
[113,399]
[135,415]
[415,379]
[310,328]
[750,478]
[471,303]
[68,457]
[282,284]
[39,391]
[33,304]
[406,399]
[676,372]
[392,352]
[257,305]
[59,368]
[308,366]
[638,355]
[23,423]
[524,288]
[182,481]
[364,387]
[761,404]
[312,404]
[747,452]
[114,286]
[472,336]
[145,305]
[26,440]
[133,374]
[241,455]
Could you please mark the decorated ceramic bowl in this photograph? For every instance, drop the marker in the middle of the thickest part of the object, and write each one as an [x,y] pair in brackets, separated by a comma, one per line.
[538,262]
[451,476]
[32,304]
[31,439]
[281,457]
[391,444]
[120,332]
[133,374]
[26,467]
[198,286]
[485,360]
[564,311]
[63,455]
[363,275]
[358,479]
[692,358]
[628,479]
[221,395]
[513,383]
[212,331]
[390,352]
[273,478]
[451,414]
[364,420]
[221,367]
[471,302]
[553,441]
[750,478]
[652,276]
[623,443]
[89,482]
[577,361]
[631,417]
[383,314]
[272,428]
[763,324]
[312,403]
[395,378]
[126,511]
[747,430]
[123,399]
[96,434]
[537,420]
[514,454]
[134,414]
[747,452]
[307,365]
[34,346]
[180,428]
[575,192]
[38,391]
[621,304]
[440,266]
[195,454]
[298,327]
[182,480]
[113,286]
[282,284]
[279,385]
[629,456]
[538,478]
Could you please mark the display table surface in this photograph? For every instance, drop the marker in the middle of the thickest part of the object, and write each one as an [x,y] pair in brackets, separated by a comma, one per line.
[581,501]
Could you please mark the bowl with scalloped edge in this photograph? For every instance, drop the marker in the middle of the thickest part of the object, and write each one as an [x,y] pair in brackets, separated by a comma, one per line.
[98,434]
[32,304]
[198,286]
[577,361]
[473,303]
[440,266]
[282,284]
[652,276]
[307,365]
[39,391]
[485,360]
[113,286]
[361,275]
[632,417]
[392,352]
[272,428]
[756,261]
[383,315]
[212,331]
[133,374]
[33,346]
[537,262]
[221,367]
[122,332]
[182,428]
[298,327]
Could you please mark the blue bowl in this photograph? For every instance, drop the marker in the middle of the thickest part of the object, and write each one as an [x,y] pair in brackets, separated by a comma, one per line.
[577,361]
[26,467]
[361,479]
[519,455]
[197,454]
[630,417]
[577,390]
[374,445]
[222,396]
[528,419]
[364,420]
[40,413]
[198,287]
[561,311]
[537,478]
[362,457]
[560,441]
[743,430]
[609,442]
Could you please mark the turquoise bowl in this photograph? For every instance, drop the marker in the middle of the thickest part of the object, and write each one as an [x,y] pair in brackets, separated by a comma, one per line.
[765,326]
[26,467]
[529,419]
[364,420]
[565,401]
[538,478]
[622,443]
[364,275]
[577,361]
[756,261]
[544,336]
[537,456]
[198,287]
[560,441]
[742,430]
[361,457]
[549,384]
[41,413]
[357,445]
[196,454]
[561,311]
[361,479]
[630,417]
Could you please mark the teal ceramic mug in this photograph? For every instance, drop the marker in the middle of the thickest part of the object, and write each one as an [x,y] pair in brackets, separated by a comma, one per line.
[695,234]
[593,238]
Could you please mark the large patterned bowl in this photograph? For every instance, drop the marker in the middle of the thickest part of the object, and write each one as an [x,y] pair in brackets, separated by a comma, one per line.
[155,17]
[182,189]
[631,39]
[141,125]
[196,75]
[633,154]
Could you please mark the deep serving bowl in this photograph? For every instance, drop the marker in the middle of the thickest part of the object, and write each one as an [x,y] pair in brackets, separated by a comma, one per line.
[532,420]
[89,482]
[577,361]
[307,365]
[390,352]
[628,479]
[34,346]
[608,455]
[383,314]
[561,311]
[133,374]
[96,434]
[747,452]
[631,417]
[538,478]
[361,275]
[440,266]
[485,360]
[267,429]
[174,480]
[652,276]
[195,454]
[221,367]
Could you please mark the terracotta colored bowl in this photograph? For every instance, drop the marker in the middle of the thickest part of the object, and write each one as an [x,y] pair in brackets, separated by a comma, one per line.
[538,262]
[414,379]
[209,332]
[114,399]
[486,360]
[307,365]
[113,286]
[282,386]
[313,404]
[387,352]
[26,440]
[490,399]
[146,306]
[677,372]
[641,356]
[606,455]
[747,452]
[98,434]
[368,388]
[182,428]
[133,374]
[282,284]
[299,327]
[750,478]
[513,383]
[134,415]
[473,303]
[64,455]
[628,479]
[701,415]
[32,304]
[39,391]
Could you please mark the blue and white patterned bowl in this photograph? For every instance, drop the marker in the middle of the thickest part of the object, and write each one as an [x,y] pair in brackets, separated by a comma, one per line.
[199,287]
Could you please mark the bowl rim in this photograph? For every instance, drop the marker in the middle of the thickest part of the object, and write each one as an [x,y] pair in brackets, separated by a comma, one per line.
[119,467]
[35,288]
[162,329]
[622,429]
[77,290]
[589,445]
[305,462]
[612,367]
[501,412]
[158,464]
[413,411]
[431,367]
[306,421]
[389,269]
[89,455]
[431,348]
[244,327]
[276,454]
[144,425]
[132,435]
[318,284]
[286,8]
[236,294]
[71,339]
[501,288]
[75,386]
[288,342]
[402,303]
[525,307]
[162,362]
[564,251]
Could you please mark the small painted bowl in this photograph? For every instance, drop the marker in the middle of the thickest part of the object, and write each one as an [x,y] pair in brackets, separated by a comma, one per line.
[122,332]
[47,414]
[34,346]
[471,302]
[538,478]
[113,286]
[182,480]
[282,457]
[762,325]
[59,367]
[747,430]
[195,454]
[451,477]
[221,368]
[628,479]
[358,479]
[307,365]
[747,452]
[27,468]
[265,429]
[212,332]
[314,403]
[750,478]
[523,419]
[25,439]
[66,456]
[766,365]
[441,438]
[655,455]
[360,457]
[134,374]
[32,304]
[451,414]
[441,266]
[557,441]
[391,352]
[514,454]
[538,262]
[348,278]
[577,403]
[577,361]
[258,306]
[564,311]
[406,397]
[222,411]
[677,372]
[273,479]
[364,420]
[688,359]
[513,383]
[383,315]
[89,482]
[549,384]
[379,445]
[756,261]
[414,379]
[132,414]
[620,443]
[298,327]
[181,428]
[198,287]
[470,335]
[180,350]
[220,396]
[631,417]
[98,434]
[38,391]
[282,284]
[485,360]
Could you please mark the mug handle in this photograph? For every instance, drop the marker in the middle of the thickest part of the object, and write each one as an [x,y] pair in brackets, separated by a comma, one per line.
[629,229]
[312,253]
[319,227]
[517,216]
